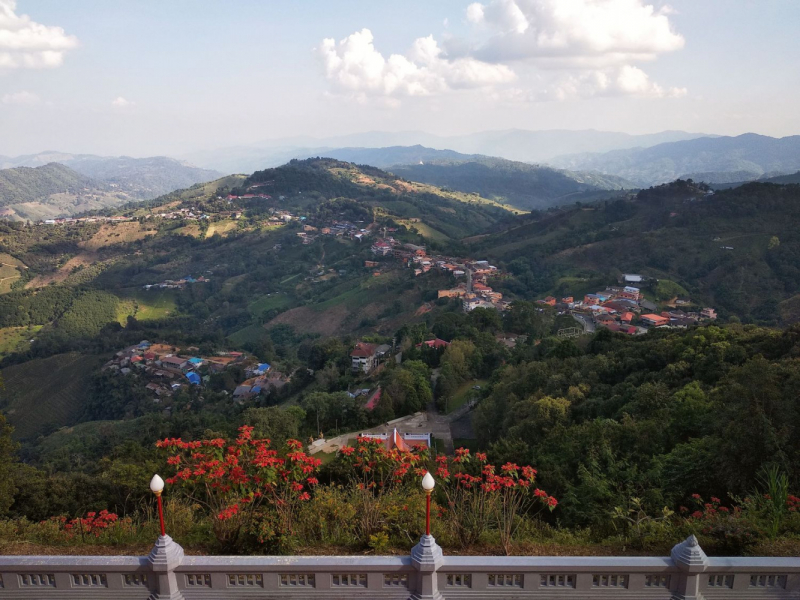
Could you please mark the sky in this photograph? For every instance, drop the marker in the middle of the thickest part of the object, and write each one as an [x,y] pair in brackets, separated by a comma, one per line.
[171,77]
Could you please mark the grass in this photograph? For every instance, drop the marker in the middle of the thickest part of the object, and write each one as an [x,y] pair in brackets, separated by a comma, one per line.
[251,333]
[221,227]
[268,303]
[15,339]
[118,233]
[46,393]
[10,271]
[464,394]
[232,282]
[425,230]
[147,305]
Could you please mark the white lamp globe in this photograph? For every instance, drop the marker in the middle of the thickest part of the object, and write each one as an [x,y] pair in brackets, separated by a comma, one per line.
[428,482]
[156,484]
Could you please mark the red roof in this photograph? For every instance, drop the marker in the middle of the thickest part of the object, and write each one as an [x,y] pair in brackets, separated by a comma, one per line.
[363,350]
[628,316]
[373,400]
[136,359]
[149,356]
[435,343]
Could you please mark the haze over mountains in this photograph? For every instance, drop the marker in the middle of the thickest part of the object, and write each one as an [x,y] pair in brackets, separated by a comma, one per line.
[721,159]
[54,184]
[143,178]
[512,144]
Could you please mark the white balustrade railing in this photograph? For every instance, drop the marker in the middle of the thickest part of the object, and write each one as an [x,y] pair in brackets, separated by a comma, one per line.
[688,574]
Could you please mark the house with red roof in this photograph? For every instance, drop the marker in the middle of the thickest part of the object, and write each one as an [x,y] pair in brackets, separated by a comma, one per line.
[404,442]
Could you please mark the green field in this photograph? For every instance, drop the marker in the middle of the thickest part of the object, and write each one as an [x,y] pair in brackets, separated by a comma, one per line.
[15,339]
[10,271]
[268,303]
[426,230]
[46,393]
[465,393]
[146,305]
[251,333]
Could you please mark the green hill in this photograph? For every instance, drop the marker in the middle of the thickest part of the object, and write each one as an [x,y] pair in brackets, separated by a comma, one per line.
[519,184]
[52,190]
[735,249]
[24,184]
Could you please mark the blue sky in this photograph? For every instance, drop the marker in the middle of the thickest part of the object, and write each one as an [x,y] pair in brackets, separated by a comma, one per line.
[171,77]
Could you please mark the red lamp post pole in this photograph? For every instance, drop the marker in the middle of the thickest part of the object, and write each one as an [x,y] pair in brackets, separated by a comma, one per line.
[428,512]
[161,514]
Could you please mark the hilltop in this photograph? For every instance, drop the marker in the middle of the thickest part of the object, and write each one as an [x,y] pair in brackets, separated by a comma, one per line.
[710,159]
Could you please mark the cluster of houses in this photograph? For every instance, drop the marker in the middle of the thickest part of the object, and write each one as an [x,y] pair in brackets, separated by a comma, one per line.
[175,284]
[474,291]
[340,229]
[74,220]
[262,379]
[624,309]
[167,369]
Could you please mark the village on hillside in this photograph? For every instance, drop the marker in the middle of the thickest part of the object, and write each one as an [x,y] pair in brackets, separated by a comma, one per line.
[167,369]
[624,309]
[474,290]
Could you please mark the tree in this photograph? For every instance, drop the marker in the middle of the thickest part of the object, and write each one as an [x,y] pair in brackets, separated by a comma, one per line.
[8,449]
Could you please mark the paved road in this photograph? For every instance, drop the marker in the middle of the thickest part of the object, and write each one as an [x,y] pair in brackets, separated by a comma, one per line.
[586,322]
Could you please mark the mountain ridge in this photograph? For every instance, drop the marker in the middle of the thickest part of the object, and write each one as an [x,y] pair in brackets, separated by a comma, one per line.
[750,152]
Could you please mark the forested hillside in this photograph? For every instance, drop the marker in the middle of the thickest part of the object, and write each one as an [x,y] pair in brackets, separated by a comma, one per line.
[735,249]
[24,184]
[519,184]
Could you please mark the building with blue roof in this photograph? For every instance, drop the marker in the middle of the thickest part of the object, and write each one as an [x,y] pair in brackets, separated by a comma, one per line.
[193,378]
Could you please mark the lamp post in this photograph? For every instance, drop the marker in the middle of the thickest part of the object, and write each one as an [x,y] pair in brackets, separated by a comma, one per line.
[428,484]
[157,486]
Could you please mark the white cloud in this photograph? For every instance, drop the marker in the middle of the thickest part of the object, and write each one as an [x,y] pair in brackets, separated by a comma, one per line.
[25,44]
[575,33]
[121,102]
[623,81]
[354,66]
[21,98]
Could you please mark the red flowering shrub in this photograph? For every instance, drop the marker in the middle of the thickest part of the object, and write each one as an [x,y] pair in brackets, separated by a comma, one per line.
[732,529]
[478,496]
[92,524]
[246,486]
[383,480]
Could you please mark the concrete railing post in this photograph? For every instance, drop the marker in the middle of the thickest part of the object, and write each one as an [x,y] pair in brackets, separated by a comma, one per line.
[427,558]
[689,557]
[165,557]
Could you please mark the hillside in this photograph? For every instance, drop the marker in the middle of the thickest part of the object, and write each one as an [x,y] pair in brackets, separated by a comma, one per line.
[749,153]
[141,178]
[519,184]
[52,190]
[734,249]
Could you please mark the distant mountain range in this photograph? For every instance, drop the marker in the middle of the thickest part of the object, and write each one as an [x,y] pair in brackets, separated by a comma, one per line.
[141,178]
[513,144]
[714,160]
